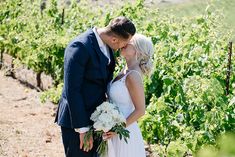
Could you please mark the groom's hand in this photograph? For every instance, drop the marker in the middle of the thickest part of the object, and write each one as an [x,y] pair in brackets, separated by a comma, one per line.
[85,145]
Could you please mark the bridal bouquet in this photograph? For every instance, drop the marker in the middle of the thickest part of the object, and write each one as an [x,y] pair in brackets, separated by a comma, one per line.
[108,118]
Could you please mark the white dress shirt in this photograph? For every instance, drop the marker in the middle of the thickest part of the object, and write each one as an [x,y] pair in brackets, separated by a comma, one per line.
[104,48]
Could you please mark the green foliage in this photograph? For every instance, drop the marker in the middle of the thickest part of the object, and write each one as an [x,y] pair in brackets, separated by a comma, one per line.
[225,147]
[52,94]
[186,103]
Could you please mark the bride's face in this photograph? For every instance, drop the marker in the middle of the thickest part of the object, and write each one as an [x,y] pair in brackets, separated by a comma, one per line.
[128,51]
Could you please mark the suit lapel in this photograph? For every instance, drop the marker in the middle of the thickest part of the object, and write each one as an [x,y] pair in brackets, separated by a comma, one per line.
[103,60]
[112,66]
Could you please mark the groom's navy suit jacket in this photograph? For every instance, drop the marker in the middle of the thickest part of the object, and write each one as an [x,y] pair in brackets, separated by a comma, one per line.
[86,75]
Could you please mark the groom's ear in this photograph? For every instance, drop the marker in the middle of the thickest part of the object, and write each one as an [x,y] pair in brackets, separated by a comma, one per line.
[114,39]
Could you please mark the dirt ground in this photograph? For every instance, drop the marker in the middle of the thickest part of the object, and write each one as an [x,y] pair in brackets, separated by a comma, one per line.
[27,127]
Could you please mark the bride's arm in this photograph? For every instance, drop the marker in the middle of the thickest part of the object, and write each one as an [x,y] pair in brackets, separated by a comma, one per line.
[136,90]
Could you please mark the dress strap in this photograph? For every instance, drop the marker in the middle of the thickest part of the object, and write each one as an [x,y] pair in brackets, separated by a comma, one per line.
[134,71]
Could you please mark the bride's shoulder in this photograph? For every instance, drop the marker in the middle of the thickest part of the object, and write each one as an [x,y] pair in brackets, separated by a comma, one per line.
[134,78]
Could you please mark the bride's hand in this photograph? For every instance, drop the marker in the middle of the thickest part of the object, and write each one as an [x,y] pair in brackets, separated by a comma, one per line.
[109,135]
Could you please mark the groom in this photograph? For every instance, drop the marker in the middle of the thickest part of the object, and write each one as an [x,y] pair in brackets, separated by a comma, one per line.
[88,67]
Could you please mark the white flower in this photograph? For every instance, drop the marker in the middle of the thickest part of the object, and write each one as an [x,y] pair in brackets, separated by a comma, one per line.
[106,116]
[95,115]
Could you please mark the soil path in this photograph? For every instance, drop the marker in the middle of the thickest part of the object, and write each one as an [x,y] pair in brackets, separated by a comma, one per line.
[27,127]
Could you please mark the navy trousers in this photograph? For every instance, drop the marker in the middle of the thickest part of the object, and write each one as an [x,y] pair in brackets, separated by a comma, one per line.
[71,143]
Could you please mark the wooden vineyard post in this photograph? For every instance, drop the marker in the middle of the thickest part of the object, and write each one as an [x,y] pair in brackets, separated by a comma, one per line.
[38,78]
[62,20]
[1,59]
[42,7]
[230,47]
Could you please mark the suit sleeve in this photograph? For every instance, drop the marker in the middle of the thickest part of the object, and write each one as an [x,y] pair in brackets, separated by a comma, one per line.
[76,58]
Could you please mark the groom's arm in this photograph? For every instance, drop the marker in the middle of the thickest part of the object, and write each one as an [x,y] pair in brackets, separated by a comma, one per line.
[76,58]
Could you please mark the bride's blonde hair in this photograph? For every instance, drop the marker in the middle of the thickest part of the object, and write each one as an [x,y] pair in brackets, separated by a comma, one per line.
[145,50]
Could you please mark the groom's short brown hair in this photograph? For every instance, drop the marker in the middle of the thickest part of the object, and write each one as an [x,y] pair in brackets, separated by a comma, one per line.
[122,27]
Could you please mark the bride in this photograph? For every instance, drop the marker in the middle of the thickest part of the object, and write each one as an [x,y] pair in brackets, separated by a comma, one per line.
[127,91]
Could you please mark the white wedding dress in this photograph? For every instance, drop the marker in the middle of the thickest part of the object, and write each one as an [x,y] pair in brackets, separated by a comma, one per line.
[119,95]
